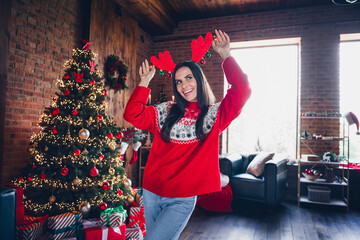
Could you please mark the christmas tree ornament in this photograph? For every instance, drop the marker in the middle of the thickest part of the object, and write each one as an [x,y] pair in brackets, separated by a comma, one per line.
[105,186]
[84,134]
[84,152]
[110,135]
[103,206]
[66,76]
[119,164]
[74,112]
[64,171]
[100,117]
[66,92]
[112,146]
[169,75]
[202,61]
[92,82]
[20,179]
[68,136]
[52,198]
[127,182]
[54,130]
[120,192]
[130,199]
[77,181]
[92,66]
[42,176]
[101,156]
[92,96]
[104,92]
[79,77]
[94,172]
[54,99]
[119,135]
[46,148]
[161,73]
[111,171]
[121,157]
[208,54]
[77,152]
[85,207]
[90,118]
[34,166]
[29,178]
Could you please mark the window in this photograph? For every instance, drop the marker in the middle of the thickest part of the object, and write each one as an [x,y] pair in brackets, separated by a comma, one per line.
[268,121]
[350,86]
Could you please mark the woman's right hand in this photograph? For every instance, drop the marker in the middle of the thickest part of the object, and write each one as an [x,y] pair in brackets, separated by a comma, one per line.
[146,73]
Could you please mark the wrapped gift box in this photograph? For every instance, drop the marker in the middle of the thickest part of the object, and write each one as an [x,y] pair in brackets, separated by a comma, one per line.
[31,228]
[138,198]
[113,217]
[93,230]
[134,233]
[137,219]
[65,225]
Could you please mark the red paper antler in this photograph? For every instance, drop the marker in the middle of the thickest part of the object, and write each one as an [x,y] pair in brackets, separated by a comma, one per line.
[164,62]
[199,47]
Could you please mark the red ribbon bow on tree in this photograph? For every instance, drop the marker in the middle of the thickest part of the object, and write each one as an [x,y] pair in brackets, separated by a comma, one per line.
[79,77]
[92,65]
[87,44]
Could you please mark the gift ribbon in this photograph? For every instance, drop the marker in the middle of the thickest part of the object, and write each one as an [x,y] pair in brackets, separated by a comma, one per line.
[77,227]
[139,218]
[110,211]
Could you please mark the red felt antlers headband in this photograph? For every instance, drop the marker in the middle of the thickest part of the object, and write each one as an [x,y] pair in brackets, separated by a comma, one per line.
[198,47]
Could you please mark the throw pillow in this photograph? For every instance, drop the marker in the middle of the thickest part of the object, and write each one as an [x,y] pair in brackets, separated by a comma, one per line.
[257,165]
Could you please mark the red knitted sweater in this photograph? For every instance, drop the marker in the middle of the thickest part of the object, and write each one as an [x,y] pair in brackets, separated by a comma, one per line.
[184,167]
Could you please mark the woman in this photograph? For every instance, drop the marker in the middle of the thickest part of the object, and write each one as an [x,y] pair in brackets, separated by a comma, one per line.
[183,161]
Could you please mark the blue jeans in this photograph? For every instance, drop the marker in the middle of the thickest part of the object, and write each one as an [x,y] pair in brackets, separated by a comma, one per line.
[165,217]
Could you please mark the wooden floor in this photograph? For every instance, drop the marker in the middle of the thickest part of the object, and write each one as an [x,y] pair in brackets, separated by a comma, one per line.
[286,222]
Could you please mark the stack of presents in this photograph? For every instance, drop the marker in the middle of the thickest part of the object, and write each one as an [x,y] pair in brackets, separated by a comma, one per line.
[114,223]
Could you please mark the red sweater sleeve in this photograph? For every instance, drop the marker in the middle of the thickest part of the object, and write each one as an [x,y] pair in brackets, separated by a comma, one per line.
[236,96]
[137,113]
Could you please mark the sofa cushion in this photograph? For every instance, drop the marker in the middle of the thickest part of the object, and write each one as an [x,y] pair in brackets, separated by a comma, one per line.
[257,165]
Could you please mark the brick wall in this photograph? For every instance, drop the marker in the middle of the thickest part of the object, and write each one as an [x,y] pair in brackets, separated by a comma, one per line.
[42,36]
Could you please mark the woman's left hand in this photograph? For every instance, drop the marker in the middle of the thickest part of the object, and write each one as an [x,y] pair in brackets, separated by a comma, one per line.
[221,44]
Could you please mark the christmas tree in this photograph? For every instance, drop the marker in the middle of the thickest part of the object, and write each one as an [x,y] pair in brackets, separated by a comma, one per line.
[75,163]
[162,97]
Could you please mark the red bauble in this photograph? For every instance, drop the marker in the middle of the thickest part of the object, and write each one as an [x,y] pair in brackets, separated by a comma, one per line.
[77,152]
[121,157]
[105,186]
[66,77]
[101,156]
[29,178]
[64,171]
[74,112]
[55,111]
[34,166]
[54,99]
[66,92]
[119,135]
[92,82]
[54,130]
[202,61]
[169,75]
[94,172]
[103,206]
[110,135]
[120,192]
[104,92]
[20,179]
[42,176]
[100,118]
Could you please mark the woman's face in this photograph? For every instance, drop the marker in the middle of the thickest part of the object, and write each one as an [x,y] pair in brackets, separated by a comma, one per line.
[186,84]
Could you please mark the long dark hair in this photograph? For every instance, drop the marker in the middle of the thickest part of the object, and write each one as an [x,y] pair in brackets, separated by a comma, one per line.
[205,98]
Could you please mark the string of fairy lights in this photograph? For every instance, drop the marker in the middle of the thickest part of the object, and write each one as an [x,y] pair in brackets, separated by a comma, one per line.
[73,131]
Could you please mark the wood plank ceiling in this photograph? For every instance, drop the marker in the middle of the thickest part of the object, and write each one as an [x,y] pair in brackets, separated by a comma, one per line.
[159,17]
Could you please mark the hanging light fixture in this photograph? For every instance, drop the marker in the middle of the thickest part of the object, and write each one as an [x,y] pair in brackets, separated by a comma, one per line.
[346,2]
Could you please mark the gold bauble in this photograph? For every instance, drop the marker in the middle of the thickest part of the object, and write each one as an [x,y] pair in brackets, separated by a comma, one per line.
[84,133]
[111,171]
[84,207]
[130,199]
[52,198]
[112,146]
[92,96]
[127,182]
[90,118]
[77,181]
[119,164]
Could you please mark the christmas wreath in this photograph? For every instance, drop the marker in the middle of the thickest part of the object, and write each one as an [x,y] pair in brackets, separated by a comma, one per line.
[114,66]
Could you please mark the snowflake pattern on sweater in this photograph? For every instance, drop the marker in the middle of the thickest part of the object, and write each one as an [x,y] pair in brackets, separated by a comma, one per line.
[184,130]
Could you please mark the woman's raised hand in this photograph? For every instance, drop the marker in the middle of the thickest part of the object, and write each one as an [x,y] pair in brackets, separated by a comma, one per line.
[146,73]
[221,44]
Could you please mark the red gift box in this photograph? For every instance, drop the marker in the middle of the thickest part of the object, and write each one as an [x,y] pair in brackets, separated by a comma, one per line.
[96,231]
[30,228]
[137,219]
[20,212]
[134,233]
